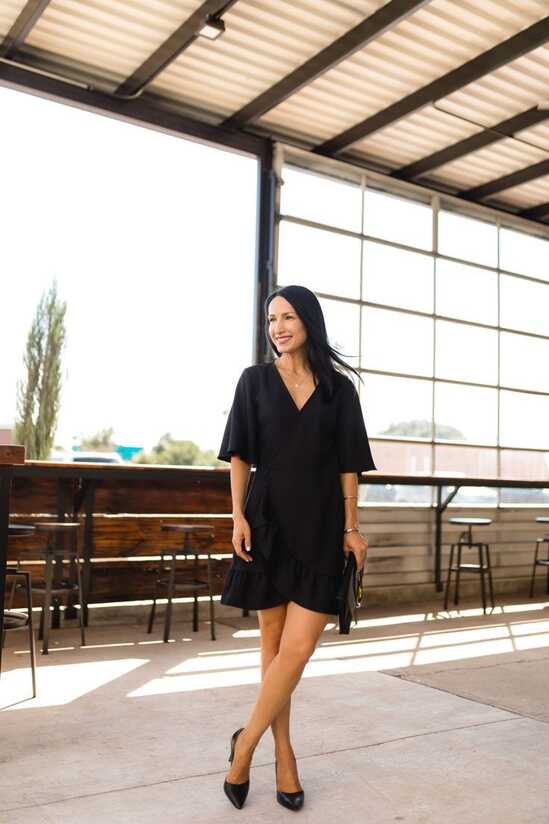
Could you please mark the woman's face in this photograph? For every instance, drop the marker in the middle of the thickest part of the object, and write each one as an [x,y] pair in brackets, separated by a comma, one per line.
[286,330]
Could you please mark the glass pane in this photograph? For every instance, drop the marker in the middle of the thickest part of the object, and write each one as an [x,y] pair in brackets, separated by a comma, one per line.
[398,219]
[523,420]
[518,495]
[323,261]
[398,493]
[524,304]
[468,461]
[397,342]
[342,324]
[524,362]
[399,407]
[523,253]
[466,353]
[321,199]
[524,464]
[467,238]
[466,292]
[465,413]
[398,277]
[402,458]
[468,495]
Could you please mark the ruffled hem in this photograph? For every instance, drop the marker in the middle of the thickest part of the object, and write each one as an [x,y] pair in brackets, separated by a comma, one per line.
[262,585]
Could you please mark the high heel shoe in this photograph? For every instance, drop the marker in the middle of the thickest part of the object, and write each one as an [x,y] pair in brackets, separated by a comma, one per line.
[236,793]
[292,801]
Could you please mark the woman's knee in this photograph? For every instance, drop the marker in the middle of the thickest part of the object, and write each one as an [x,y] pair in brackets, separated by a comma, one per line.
[271,624]
[296,650]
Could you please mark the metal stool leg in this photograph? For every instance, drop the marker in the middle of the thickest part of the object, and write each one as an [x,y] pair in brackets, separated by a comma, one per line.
[458,571]
[151,615]
[449,575]
[195,596]
[32,647]
[490,580]
[80,601]
[210,591]
[534,568]
[481,571]
[168,615]
[547,578]
[47,601]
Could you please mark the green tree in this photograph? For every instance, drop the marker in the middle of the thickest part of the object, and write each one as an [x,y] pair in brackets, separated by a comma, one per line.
[39,393]
[101,442]
[173,452]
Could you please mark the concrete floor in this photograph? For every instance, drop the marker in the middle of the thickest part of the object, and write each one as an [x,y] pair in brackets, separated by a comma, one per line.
[418,716]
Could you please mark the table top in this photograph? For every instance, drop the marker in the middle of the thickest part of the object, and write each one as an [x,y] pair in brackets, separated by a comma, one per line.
[12,454]
[19,530]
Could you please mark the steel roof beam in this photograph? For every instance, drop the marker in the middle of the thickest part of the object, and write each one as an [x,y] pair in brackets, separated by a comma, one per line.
[492,134]
[168,51]
[485,63]
[346,45]
[493,187]
[26,20]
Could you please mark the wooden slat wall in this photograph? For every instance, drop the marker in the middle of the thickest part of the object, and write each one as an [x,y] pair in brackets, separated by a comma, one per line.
[126,544]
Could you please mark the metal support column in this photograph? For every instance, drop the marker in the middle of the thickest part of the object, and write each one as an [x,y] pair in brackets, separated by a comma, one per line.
[265,245]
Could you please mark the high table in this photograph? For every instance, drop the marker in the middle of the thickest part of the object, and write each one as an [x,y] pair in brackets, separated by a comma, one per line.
[455,482]
[9,457]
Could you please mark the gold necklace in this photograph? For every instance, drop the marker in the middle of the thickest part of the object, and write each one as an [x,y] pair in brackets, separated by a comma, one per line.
[296,385]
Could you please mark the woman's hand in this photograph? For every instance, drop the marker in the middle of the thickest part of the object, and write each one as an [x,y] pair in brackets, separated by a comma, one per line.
[355,543]
[242,532]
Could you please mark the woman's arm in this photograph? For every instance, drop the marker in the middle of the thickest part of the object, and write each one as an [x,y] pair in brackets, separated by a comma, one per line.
[240,475]
[349,488]
[352,541]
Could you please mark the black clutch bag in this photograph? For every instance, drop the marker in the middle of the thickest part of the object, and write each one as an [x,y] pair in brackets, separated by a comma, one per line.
[350,594]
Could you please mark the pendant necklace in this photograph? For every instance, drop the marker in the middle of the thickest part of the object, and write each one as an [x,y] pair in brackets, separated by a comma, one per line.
[297,385]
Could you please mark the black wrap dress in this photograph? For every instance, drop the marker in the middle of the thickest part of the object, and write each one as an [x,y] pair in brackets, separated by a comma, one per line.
[294,502]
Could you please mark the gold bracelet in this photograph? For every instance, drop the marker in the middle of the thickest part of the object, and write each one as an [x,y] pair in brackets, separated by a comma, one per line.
[349,496]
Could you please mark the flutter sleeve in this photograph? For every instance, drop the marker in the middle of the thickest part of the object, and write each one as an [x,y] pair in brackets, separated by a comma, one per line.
[240,436]
[352,444]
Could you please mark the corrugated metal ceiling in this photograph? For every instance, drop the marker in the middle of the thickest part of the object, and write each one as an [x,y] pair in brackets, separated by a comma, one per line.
[267,40]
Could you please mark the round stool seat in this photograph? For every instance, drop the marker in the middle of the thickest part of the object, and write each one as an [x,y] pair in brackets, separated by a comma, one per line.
[185,527]
[543,519]
[20,530]
[55,526]
[14,620]
[471,521]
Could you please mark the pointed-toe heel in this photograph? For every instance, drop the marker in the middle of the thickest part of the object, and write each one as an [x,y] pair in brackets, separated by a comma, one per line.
[292,801]
[236,793]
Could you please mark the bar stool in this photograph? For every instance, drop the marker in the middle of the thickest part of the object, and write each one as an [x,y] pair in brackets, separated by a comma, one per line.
[167,579]
[13,620]
[466,540]
[54,584]
[543,562]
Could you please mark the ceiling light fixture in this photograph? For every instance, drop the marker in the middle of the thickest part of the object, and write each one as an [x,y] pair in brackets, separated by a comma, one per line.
[212,28]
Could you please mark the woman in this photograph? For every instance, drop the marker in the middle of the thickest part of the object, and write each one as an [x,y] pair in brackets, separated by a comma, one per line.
[299,421]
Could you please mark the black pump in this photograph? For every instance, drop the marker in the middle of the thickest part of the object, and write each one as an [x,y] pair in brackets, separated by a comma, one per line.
[236,793]
[292,801]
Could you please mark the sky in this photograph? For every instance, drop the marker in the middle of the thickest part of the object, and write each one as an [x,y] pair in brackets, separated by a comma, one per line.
[152,241]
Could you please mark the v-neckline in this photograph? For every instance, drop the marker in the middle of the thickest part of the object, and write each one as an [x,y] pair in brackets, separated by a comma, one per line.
[294,404]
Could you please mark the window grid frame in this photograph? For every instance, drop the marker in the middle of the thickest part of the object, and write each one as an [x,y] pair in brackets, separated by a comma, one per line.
[364,238]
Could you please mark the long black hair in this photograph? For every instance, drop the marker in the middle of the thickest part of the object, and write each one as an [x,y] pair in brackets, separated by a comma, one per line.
[323,358]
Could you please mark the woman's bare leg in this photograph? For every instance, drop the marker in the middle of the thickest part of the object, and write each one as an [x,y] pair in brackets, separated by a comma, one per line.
[302,629]
[271,624]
